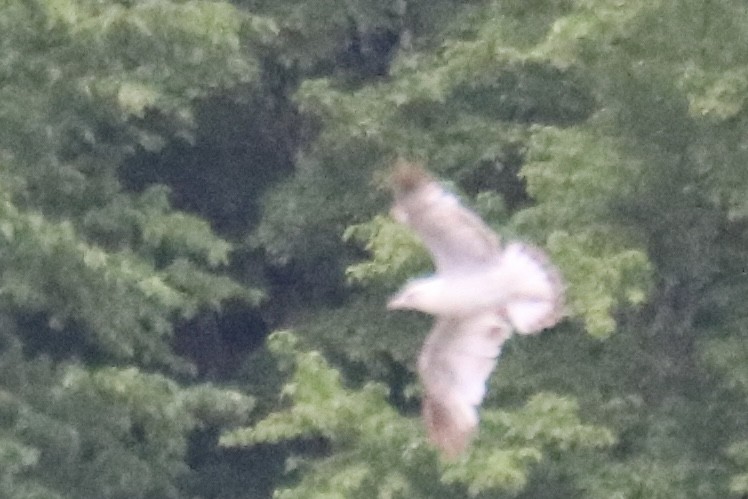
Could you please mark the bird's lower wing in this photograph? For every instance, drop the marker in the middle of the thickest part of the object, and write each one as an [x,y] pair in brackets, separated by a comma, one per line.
[454,365]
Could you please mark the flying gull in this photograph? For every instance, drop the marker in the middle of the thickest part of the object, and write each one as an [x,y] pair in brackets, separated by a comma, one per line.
[481,293]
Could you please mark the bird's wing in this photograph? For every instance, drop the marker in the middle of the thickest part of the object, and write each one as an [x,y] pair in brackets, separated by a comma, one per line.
[533,288]
[455,236]
[455,362]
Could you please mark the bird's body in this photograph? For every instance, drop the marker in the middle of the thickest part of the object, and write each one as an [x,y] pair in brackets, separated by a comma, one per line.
[459,295]
[479,294]
[468,291]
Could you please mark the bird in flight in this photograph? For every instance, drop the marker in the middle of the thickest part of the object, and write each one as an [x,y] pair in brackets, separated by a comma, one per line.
[481,293]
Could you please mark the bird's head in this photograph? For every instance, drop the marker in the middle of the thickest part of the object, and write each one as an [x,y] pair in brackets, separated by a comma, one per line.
[419,294]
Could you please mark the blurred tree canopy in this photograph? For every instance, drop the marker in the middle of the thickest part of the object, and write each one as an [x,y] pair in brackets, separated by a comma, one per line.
[195,250]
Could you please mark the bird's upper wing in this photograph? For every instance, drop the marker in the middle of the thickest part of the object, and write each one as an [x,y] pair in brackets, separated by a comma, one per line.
[455,362]
[455,236]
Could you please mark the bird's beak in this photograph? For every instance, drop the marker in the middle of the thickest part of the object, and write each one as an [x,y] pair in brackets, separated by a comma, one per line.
[396,302]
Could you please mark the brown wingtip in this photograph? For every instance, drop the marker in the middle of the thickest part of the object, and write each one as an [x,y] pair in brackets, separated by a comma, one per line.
[449,435]
[407,176]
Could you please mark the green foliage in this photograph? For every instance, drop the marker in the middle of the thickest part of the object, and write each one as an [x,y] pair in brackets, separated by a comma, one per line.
[101,433]
[333,36]
[78,65]
[739,453]
[95,278]
[149,224]
[371,450]
[124,302]
[611,134]
[394,250]
[625,124]
[81,93]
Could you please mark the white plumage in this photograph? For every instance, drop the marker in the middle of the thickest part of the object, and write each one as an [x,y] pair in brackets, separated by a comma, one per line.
[479,294]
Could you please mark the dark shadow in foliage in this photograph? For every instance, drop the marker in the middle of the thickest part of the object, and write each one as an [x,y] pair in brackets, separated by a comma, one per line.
[367,54]
[499,176]
[42,337]
[235,473]
[218,343]
[242,146]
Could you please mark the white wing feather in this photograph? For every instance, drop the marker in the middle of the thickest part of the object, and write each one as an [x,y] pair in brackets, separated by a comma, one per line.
[454,365]
[455,236]
[536,293]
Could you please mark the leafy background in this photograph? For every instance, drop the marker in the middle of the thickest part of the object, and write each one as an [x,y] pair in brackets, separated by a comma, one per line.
[195,249]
